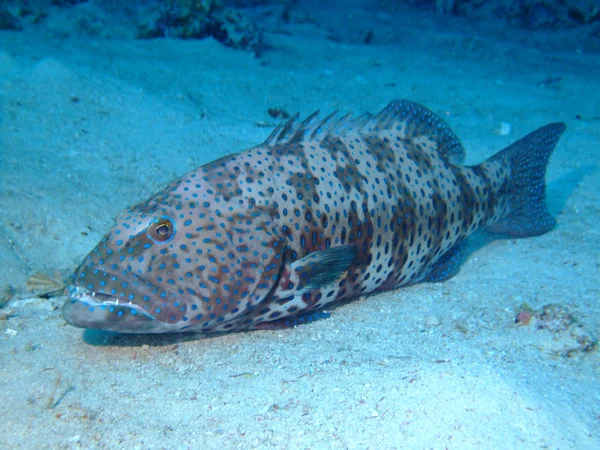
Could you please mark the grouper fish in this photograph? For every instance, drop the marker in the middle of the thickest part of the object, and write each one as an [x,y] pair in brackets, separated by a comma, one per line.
[324,210]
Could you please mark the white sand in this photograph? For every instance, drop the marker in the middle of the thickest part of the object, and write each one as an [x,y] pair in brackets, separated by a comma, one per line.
[89,127]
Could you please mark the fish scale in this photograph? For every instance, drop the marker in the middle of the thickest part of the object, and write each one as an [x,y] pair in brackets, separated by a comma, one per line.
[322,211]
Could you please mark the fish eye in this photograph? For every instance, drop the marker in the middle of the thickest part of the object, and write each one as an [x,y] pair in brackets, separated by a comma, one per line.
[161,230]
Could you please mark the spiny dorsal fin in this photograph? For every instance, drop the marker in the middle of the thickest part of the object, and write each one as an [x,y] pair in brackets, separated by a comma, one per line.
[313,128]
[284,131]
[412,119]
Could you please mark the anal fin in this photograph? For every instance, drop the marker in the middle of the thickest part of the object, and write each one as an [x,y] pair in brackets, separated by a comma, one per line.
[447,266]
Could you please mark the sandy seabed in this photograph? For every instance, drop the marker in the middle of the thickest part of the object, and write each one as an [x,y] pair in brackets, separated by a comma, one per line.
[88,127]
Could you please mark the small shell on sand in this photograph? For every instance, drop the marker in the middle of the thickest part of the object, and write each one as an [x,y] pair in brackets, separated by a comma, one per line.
[44,285]
[504,129]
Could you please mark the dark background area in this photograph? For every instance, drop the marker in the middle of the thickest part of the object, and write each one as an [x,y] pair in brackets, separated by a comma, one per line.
[564,24]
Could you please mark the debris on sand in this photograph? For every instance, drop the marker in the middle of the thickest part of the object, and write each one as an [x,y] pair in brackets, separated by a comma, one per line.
[557,330]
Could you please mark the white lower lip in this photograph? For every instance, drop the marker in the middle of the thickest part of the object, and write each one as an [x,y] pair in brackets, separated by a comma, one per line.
[94,299]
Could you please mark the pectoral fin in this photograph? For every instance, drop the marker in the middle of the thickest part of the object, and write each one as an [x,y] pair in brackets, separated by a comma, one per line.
[323,267]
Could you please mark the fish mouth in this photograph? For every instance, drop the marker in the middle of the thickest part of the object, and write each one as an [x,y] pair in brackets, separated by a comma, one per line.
[88,309]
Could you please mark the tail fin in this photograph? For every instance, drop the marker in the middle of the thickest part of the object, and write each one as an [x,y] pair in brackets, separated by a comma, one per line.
[528,159]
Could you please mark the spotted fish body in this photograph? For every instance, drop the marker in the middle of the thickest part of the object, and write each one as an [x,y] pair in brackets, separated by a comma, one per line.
[322,211]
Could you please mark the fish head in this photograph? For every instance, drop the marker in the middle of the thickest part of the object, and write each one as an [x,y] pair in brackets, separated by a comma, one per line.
[176,263]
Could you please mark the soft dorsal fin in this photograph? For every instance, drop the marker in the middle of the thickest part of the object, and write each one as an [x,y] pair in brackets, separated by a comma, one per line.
[416,121]
[412,119]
